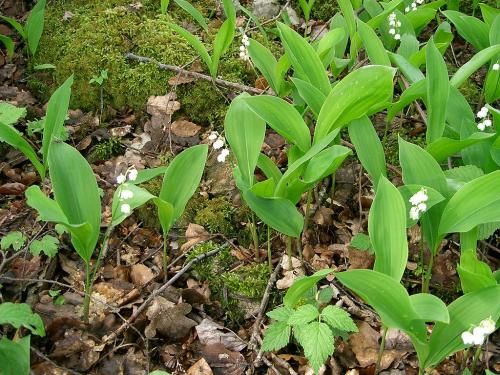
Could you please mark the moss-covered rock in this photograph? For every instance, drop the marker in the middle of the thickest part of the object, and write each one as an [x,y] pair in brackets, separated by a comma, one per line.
[97,37]
[106,150]
[216,216]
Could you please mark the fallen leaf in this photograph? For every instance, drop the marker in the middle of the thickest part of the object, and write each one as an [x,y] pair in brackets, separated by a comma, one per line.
[12,188]
[211,333]
[195,234]
[223,361]
[201,367]
[168,319]
[141,275]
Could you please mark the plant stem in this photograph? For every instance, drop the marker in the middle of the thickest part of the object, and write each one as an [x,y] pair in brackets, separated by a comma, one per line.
[269,257]
[308,211]
[255,238]
[289,252]
[380,352]
[165,257]
[88,291]
[428,275]
[422,260]
[475,360]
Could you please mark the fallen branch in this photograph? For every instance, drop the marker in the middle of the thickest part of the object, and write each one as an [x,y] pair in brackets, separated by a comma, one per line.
[188,73]
[141,308]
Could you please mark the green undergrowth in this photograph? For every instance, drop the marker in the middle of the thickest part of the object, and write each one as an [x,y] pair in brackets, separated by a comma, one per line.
[98,35]
[105,150]
[229,284]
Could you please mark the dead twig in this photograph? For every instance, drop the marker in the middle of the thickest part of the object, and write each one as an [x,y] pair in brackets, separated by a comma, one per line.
[218,81]
[155,293]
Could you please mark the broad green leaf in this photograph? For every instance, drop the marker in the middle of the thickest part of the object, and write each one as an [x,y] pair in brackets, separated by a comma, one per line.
[389,299]
[145,175]
[476,62]
[355,96]
[281,314]
[429,308]
[57,110]
[15,356]
[76,191]
[416,91]
[438,89]
[45,67]
[15,239]
[49,245]
[470,28]
[304,59]
[477,202]
[466,311]
[362,242]
[183,177]
[310,94]
[279,213]
[325,163]
[420,18]
[368,147]
[349,16]
[9,45]
[282,117]
[10,114]
[443,147]
[373,45]
[245,132]
[139,198]
[317,344]
[229,10]
[387,228]
[489,14]
[195,43]
[407,191]
[303,315]
[34,25]
[420,168]
[159,372]
[302,285]
[20,315]
[266,63]
[16,25]
[474,274]
[11,136]
[276,336]
[338,318]
[195,13]
[222,41]
[166,214]
[327,45]
[164,6]
[269,168]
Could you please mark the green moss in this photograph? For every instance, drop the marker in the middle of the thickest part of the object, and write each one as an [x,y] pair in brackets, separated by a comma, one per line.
[217,216]
[148,214]
[211,268]
[106,150]
[248,281]
[322,9]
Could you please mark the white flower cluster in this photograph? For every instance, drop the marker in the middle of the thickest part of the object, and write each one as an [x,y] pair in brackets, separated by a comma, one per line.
[483,114]
[395,25]
[244,48]
[417,201]
[218,144]
[413,6]
[479,333]
[130,175]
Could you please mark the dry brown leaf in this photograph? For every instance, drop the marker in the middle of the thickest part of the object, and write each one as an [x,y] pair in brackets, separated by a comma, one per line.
[211,333]
[168,319]
[201,367]
[195,234]
[141,275]
[223,361]
[12,188]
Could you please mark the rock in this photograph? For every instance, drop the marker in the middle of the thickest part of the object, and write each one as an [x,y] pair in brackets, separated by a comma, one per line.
[141,275]
[266,8]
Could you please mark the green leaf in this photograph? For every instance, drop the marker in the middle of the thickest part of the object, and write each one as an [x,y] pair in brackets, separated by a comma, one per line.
[145,175]
[76,193]
[374,48]
[362,242]
[159,372]
[438,89]
[20,315]
[9,45]
[229,10]
[465,312]
[279,213]
[195,13]
[411,73]
[430,308]
[477,202]
[470,28]
[276,336]
[10,114]
[269,168]
[57,109]
[368,147]
[318,344]
[407,191]
[183,177]
[387,228]
[325,163]
[443,147]
[164,6]
[11,136]
[360,93]
[459,176]
[266,63]
[49,245]
[282,117]
[304,59]
[281,314]
[16,25]
[15,239]
[310,94]
[45,67]
[222,41]
[338,318]
[303,315]
[195,43]
[245,132]
[301,286]
[34,25]
[15,356]
[474,274]
[476,62]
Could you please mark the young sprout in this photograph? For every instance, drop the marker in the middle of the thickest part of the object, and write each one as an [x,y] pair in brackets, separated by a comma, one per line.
[417,201]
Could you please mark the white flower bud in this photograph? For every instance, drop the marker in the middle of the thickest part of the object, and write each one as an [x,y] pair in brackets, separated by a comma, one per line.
[126,194]
[218,144]
[213,136]
[121,178]
[414,213]
[481,126]
[397,36]
[132,174]
[392,31]
[125,208]
[487,122]
[488,326]
[496,66]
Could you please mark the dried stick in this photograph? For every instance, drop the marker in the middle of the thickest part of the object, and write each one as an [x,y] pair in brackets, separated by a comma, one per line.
[141,308]
[173,68]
